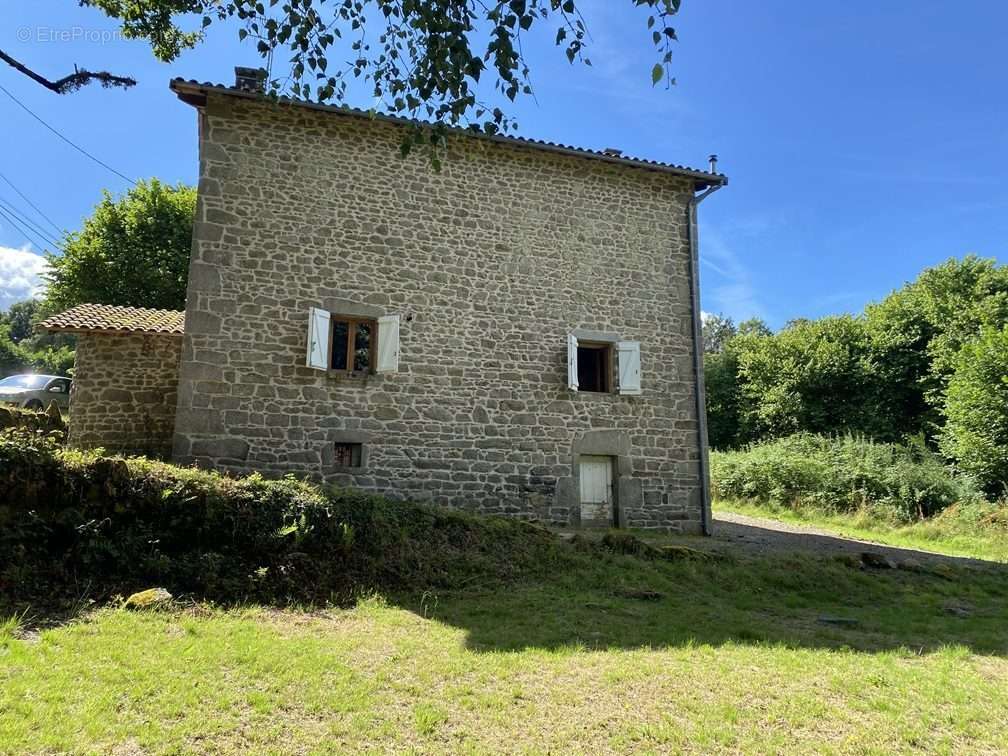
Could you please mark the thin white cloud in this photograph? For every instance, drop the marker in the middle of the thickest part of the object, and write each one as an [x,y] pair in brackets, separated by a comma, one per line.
[622,58]
[727,284]
[21,272]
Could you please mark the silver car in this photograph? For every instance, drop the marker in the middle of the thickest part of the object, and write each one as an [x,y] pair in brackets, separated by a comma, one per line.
[36,391]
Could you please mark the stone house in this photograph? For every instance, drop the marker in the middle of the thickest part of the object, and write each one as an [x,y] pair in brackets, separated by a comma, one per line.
[518,334]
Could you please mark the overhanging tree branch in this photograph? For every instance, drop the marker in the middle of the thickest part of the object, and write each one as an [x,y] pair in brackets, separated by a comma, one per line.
[79,78]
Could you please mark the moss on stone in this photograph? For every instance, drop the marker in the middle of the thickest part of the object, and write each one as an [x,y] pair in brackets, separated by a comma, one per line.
[148,599]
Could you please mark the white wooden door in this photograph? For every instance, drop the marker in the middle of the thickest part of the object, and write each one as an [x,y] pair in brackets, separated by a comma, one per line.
[596,490]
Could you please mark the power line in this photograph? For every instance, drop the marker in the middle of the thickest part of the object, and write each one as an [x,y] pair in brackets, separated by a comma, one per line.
[26,220]
[22,218]
[30,237]
[54,131]
[32,205]
[27,235]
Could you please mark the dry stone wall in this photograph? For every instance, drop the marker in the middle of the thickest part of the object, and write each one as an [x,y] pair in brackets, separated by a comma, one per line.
[124,393]
[490,264]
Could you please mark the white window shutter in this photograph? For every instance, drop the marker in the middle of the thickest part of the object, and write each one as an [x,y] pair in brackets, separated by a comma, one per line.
[388,344]
[629,367]
[572,365]
[318,338]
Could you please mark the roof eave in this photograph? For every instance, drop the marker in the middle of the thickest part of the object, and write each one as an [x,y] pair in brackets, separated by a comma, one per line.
[195,94]
[80,330]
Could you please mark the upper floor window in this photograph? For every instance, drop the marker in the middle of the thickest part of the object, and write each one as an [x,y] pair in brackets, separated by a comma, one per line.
[352,345]
[594,366]
[590,366]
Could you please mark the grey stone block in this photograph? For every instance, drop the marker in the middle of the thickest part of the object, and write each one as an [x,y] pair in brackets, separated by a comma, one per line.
[230,448]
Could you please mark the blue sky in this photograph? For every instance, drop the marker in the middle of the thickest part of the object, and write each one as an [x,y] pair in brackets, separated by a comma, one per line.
[863,141]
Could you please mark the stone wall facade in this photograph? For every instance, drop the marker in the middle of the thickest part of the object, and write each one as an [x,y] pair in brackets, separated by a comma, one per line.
[490,264]
[124,392]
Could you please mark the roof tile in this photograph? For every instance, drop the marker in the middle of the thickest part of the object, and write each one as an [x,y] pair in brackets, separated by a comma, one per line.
[99,318]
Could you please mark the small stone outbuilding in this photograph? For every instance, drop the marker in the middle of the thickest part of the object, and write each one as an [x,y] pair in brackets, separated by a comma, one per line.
[125,385]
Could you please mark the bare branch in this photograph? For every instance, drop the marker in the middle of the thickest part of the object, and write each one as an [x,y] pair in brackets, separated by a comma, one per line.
[79,78]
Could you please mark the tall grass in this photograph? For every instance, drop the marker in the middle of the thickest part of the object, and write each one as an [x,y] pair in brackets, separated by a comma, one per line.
[842,474]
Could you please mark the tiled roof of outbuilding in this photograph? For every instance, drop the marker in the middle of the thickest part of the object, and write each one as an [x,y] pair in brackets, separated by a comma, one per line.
[99,318]
[703,178]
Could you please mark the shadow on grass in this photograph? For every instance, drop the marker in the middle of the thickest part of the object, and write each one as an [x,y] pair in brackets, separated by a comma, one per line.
[811,592]
[746,585]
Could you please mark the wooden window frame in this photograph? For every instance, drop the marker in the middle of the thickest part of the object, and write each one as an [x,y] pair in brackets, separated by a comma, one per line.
[352,323]
[354,449]
[606,367]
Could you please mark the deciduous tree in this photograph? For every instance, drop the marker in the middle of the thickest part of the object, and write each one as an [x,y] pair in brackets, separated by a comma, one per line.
[19,317]
[918,331]
[133,250]
[718,329]
[976,410]
[813,375]
[721,386]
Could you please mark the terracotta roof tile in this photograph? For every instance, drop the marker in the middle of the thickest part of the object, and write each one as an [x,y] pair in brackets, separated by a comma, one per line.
[98,318]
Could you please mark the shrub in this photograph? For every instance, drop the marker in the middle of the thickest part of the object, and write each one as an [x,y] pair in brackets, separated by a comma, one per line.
[841,474]
[49,422]
[75,523]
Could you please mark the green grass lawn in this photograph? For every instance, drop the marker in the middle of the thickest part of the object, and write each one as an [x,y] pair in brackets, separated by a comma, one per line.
[730,656]
[951,532]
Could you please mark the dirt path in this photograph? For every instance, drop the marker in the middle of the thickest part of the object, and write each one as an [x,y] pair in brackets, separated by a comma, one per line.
[757,536]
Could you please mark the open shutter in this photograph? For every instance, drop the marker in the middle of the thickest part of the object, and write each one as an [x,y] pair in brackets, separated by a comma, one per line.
[388,344]
[629,367]
[572,368]
[318,338]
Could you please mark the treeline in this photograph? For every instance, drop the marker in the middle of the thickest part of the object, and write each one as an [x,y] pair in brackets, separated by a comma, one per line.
[24,350]
[929,363]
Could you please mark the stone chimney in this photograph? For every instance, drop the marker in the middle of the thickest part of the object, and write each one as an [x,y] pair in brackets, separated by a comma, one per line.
[250,79]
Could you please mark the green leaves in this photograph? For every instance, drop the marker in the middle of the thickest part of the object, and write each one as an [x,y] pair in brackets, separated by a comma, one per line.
[154,20]
[976,410]
[133,250]
[421,59]
[929,361]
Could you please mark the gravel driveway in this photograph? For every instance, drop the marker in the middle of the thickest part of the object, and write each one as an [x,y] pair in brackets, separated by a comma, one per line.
[756,535]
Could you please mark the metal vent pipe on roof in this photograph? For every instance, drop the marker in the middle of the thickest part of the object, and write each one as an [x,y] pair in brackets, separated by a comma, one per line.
[713,163]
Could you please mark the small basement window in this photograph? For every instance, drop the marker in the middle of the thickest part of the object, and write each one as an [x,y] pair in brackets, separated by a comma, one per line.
[594,367]
[348,455]
[352,345]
